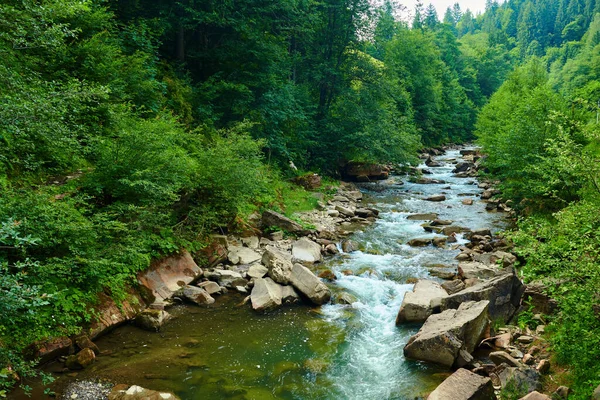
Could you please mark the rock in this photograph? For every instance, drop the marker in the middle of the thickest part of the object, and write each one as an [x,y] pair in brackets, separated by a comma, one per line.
[327,275]
[439,197]
[439,241]
[467,202]
[417,305]
[499,357]
[562,392]
[84,342]
[195,295]
[272,219]
[252,242]
[444,335]
[257,271]
[449,230]
[525,339]
[125,392]
[228,278]
[462,167]
[454,286]
[109,315]
[419,242]
[364,212]
[345,211]
[535,395]
[331,249]
[345,298]
[525,378]
[543,367]
[422,217]
[278,263]
[503,293]
[289,295]
[211,287]
[333,213]
[266,295]
[152,320]
[464,385]
[487,194]
[438,222]
[430,162]
[468,270]
[242,255]
[80,360]
[348,246]
[305,250]
[309,285]
[51,349]
[365,172]
[308,181]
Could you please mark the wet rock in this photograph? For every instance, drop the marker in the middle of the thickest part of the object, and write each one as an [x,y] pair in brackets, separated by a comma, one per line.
[444,335]
[496,258]
[272,219]
[84,342]
[419,242]
[257,271]
[266,295]
[417,305]
[80,360]
[309,285]
[503,293]
[242,255]
[562,392]
[364,212]
[278,263]
[449,230]
[195,295]
[333,213]
[464,385]
[438,222]
[327,275]
[499,357]
[210,287]
[109,315]
[126,392]
[345,298]
[439,241]
[436,198]
[348,246]
[331,249]
[422,217]
[467,202]
[152,320]
[345,211]
[305,250]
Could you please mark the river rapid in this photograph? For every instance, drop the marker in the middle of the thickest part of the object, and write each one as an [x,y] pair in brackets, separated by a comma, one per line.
[226,351]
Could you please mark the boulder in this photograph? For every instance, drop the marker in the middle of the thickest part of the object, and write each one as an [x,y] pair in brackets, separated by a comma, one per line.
[109,315]
[266,295]
[151,319]
[468,270]
[419,242]
[273,219]
[242,255]
[417,305]
[289,295]
[364,212]
[167,275]
[309,285]
[210,287]
[257,271]
[439,241]
[252,242]
[443,336]
[438,197]
[345,298]
[535,395]
[524,378]
[438,222]
[333,213]
[467,202]
[503,293]
[348,246]
[454,286]
[464,385]
[422,217]
[449,230]
[496,258]
[499,357]
[278,263]
[84,342]
[358,171]
[126,392]
[305,250]
[345,211]
[80,360]
[195,295]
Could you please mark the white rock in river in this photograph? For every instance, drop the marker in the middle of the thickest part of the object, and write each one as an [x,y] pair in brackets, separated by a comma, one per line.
[309,285]
[266,295]
[418,304]
[278,263]
[305,250]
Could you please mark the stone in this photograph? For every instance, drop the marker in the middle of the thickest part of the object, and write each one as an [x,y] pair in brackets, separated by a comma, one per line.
[276,236]
[345,298]
[468,270]
[503,293]
[345,211]
[416,305]
[348,246]
[80,360]
[543,367]
[439,241]
[499,357]
[454,286]
[449,230]
[439,222]
[84,342]
[562,392]
[309,285]
[333,213]
[487,194]
[364,212]
[365,172]
[497,258]
[331,249]
[210,287]
[305,250]
[272,219]
[289,295]
[266,295]
[467,202]
[152,320]
[535,395]
[278,263]
[422,217]
[252,242]
[195,295]
[51,349]
[443,336]
[436,198]
[525,378]
[419,242]
[242,255]
[464,385]
[257,271]
[327,275]
[125,392]
[525,339]
[109,315]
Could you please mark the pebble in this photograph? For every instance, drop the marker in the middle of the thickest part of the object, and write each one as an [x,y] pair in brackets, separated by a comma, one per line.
[87,390]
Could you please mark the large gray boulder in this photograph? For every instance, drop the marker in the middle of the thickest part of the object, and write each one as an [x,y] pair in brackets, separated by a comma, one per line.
[464,385]
[309,285]
[266,295]
[503,293]
[273,219]
[279,264]
[449,338]
[305,250]
[151,319]
[195,295]
[242,255]
[418,304]
[473,269]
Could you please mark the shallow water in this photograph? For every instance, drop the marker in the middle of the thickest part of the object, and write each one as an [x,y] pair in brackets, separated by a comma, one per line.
[227,351]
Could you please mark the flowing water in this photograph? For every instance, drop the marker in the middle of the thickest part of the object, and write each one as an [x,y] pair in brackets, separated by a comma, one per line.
[335,352]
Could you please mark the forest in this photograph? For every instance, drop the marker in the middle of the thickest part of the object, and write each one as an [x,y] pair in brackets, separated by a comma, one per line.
[132,129]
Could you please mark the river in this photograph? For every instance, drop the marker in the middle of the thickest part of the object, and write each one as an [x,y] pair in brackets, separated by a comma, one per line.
[335,352]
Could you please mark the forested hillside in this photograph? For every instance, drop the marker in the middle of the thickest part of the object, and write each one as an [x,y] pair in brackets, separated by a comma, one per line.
[130,130]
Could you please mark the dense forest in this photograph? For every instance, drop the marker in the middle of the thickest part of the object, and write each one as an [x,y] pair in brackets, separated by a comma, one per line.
[131,129]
